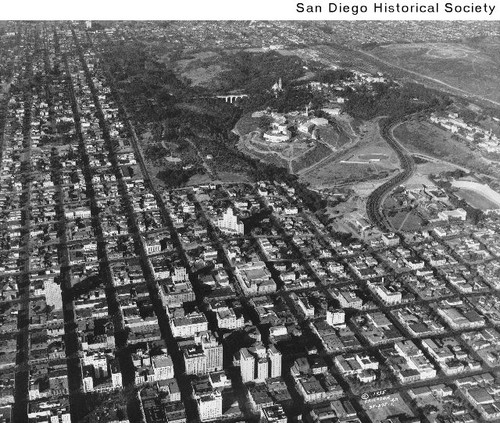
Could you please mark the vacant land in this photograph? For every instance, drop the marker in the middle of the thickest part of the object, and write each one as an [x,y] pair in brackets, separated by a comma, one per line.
[426,138]
[347,167]
[335,173]
[312,156]
[273,158]
[200,68]
[334,56]
[471,66]
[379,409]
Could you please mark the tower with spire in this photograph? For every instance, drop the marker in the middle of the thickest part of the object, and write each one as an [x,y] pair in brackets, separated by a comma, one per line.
[277,87]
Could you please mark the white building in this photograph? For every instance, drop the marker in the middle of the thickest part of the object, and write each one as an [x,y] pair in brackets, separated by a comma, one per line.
[204,354]
[213,351]
[459,214]
[258,363]
[163,367]
[180,274]
[189,325]
[247,365]
[388,296]
[210,406]
[274,357]
[229,223]
[335,317]
[226,319]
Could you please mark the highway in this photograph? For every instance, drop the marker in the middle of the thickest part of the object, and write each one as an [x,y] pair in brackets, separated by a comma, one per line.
[376,198]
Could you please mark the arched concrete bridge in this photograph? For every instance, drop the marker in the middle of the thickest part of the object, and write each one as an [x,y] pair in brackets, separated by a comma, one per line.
[231,98]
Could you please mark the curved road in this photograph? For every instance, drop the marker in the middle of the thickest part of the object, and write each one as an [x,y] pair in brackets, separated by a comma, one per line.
[376,198]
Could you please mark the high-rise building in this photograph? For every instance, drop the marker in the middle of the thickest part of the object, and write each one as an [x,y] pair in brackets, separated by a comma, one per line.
[195,360]
[247,365]
[202,354]
[163,367]
[212,350]
[116,374]
[262,369]
[261,364]
[274,361]
[230,223]
[258,363]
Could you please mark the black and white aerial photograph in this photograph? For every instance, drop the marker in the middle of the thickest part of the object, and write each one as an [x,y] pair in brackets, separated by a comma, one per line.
[250,221]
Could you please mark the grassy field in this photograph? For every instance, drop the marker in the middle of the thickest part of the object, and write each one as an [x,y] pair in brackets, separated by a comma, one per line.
[405,221]
[267,158]
[201,68]
[246,124]
[313,156]
[343,173]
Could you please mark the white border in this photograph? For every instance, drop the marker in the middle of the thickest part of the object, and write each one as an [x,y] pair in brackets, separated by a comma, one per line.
[231,10]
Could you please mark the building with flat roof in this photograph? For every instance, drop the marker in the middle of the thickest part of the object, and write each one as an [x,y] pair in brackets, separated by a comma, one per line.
[258,363]
[229,223]
[254,278]
[189,325]
[202,354]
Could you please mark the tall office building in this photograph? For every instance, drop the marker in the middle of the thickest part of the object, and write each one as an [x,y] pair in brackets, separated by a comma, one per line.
[247,365]
[213,351]
[274,361]
[262,369]
[202,354]
[195,361]
[258,363]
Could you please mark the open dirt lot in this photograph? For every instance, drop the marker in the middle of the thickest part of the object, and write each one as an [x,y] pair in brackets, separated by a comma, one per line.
[381,408]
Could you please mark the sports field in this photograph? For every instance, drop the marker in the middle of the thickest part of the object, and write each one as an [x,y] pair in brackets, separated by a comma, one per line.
[479,196]
[476,200]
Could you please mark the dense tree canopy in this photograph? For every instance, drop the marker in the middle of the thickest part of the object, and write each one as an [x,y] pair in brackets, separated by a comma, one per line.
[392,100]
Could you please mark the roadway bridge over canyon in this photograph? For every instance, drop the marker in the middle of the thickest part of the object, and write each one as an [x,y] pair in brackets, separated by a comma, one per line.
[231,98]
